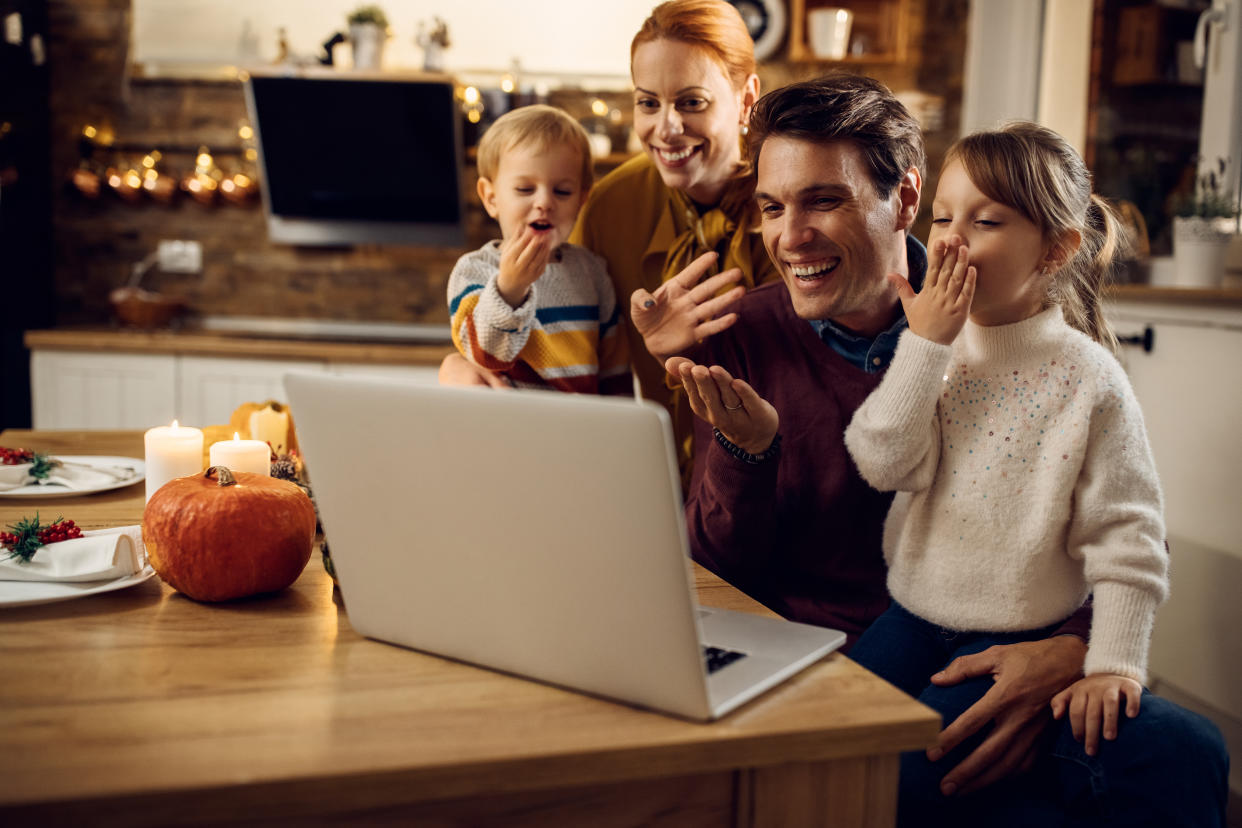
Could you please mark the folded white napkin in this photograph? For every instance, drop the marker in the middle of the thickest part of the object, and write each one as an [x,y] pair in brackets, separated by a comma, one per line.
[81,476]
[16,476]
[99,555]
[72,476]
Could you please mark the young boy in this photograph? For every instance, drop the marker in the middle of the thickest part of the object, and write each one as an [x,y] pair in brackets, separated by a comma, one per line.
[531,308]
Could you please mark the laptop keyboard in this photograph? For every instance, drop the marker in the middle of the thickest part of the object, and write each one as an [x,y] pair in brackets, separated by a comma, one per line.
[714,658]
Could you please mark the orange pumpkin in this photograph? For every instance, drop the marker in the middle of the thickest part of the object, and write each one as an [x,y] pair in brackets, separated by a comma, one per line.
[236,535]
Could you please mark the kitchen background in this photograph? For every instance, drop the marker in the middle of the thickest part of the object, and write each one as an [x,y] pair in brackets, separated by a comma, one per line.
[135,109]
[111,111]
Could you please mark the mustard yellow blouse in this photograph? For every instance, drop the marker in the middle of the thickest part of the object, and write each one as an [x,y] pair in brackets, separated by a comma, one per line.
[648,233]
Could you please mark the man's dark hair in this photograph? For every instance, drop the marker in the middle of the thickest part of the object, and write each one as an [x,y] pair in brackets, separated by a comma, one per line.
[844,107]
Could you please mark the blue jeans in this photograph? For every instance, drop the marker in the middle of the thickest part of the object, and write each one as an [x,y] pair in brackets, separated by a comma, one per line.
[1168,767]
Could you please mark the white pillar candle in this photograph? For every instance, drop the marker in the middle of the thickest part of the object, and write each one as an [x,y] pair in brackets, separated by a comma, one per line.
[270,426]
[242,455]
[171,451]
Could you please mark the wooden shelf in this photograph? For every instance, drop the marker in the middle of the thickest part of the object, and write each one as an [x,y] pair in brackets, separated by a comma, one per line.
[881,32]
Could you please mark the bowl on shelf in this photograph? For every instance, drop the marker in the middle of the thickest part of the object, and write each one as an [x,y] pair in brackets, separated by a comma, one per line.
[140,308]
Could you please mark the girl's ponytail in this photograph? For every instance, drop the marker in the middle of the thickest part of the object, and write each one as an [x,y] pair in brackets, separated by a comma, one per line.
[1080,285]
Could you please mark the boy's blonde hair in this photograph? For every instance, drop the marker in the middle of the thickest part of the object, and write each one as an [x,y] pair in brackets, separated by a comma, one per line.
[1035,171]
[539,125]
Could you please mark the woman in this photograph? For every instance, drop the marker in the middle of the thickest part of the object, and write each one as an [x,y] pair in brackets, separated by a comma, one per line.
[683,209]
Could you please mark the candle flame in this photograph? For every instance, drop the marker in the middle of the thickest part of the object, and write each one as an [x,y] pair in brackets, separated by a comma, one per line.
[174,424]
[236,435]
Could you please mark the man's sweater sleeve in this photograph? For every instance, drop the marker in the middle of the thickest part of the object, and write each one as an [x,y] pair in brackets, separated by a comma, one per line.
[894,437]
[729,514]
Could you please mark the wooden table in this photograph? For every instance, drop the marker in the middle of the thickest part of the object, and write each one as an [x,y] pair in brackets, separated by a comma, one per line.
[142,707]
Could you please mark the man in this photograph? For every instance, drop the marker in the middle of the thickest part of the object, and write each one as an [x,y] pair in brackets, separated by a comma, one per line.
[777,508]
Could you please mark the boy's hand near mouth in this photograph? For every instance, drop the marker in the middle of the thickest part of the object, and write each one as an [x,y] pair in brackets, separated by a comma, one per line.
[522,261]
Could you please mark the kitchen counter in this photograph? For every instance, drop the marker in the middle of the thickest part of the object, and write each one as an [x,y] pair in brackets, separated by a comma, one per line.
[198,342]
[1221,296]
[133,378]
[425,346]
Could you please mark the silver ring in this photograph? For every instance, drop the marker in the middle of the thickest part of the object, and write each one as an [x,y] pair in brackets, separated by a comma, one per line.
[737,407]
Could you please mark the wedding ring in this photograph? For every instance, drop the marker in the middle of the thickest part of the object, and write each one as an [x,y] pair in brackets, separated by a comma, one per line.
[737,407]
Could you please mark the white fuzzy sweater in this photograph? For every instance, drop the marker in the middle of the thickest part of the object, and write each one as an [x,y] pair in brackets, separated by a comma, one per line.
[1027,484]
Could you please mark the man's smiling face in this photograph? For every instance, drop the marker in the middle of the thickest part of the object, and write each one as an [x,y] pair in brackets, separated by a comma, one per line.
[831,235]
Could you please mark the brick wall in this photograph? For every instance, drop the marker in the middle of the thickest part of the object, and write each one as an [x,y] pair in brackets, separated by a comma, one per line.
[98,241]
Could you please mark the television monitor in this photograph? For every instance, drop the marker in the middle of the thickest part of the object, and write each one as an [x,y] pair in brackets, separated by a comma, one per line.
[358,160]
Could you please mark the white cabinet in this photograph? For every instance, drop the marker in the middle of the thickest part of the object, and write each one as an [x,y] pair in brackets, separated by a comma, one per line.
[81,389]
[213,387]
[73,389]
[1190,388]
[422,374]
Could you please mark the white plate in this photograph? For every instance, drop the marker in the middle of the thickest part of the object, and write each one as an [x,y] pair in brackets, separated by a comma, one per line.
[57,490]
[25,593]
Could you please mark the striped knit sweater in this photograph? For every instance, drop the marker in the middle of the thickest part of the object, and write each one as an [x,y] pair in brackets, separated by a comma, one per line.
[1027,482]
[565,336]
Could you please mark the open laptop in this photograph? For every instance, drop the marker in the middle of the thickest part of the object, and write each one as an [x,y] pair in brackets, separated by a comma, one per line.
[536,533]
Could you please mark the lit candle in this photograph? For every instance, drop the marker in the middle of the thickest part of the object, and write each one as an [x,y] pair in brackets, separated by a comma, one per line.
[271,426]
[171,451]
[242,455]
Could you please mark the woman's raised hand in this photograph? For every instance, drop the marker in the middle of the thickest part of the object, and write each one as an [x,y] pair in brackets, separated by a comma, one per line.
[939,311]
[730,405]
[684,309]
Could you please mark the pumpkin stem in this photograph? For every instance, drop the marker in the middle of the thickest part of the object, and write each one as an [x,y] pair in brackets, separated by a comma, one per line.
[223,475]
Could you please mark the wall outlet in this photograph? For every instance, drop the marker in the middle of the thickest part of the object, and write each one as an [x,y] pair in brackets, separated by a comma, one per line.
[181,256]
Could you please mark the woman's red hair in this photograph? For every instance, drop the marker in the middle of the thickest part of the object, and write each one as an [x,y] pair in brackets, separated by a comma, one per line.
[712,26]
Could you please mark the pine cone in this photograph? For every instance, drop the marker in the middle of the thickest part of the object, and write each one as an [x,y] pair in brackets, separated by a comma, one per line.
[284,468]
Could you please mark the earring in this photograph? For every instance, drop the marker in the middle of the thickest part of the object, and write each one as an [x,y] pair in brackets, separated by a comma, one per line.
[745,130]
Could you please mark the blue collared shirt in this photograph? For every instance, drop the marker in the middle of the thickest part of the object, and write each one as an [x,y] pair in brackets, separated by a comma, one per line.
[874,354]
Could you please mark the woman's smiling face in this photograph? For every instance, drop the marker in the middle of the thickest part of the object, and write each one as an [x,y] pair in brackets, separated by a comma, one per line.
[687,114]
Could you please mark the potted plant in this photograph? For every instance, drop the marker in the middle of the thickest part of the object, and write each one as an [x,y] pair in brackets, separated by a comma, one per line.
[368,29]
[1204,224]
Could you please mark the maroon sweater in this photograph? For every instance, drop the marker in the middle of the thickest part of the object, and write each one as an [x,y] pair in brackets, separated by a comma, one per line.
[800,533]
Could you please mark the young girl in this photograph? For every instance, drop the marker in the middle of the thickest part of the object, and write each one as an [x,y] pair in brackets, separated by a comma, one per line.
[1013,437]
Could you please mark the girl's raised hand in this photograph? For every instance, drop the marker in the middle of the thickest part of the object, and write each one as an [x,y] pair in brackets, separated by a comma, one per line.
[939,311]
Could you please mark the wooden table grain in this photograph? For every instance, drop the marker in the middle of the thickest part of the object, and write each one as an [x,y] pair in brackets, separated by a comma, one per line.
[142,707]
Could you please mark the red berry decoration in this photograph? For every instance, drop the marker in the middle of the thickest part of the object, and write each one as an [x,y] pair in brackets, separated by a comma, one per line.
[41,465]
[29,535]
[15,456]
